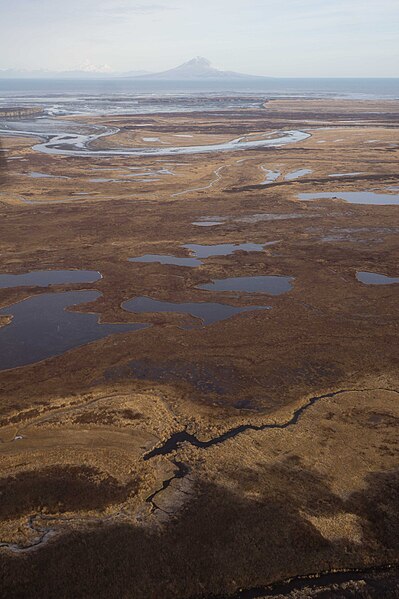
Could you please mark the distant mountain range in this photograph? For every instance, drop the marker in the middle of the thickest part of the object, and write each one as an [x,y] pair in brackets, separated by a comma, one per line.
[78,74]
[197,69]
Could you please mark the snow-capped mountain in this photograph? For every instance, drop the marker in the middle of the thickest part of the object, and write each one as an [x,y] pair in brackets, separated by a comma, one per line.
[197,69]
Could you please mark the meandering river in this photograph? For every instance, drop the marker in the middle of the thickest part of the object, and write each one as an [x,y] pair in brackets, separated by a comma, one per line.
[70,139]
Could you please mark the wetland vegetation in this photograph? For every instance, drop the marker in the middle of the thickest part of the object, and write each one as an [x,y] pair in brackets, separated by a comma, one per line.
[215,414]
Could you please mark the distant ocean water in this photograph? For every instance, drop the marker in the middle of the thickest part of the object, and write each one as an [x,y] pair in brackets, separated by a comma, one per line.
[60,97]
[373,88]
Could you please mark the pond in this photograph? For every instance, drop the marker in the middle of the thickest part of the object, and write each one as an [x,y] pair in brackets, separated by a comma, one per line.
[222,249]
[42,327]
[166,259]
[301,172]
[44,278]
[200,251]
[271,284]
[207,312]
[354,197]
[207,223]
[375,278]
[270,176]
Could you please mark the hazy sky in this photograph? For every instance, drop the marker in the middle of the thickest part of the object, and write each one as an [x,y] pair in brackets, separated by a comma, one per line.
[263,37]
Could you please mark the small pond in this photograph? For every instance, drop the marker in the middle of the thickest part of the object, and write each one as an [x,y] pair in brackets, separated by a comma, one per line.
[301,172]
[166,259]
[222,249]
[375,278]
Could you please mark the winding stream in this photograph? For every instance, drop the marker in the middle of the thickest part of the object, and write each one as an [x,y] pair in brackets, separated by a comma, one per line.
[171,445]
[177,439]
[72,143]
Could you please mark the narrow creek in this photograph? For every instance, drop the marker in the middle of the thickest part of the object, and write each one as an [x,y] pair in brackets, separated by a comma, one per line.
[177,439]
[43,536]
[312,581]
[182,470]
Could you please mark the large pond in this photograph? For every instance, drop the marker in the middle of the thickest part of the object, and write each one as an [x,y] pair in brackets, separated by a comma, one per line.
[41,327]
[354,197]
[207,312]
[200,251]
[271,284]
[44,278]
[375,278]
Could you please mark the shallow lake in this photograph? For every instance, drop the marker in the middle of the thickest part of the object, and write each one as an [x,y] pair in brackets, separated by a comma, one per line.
[374,278]
[36,175]
[222,249]
[256,218]
[346,174]
[44,278]
[301,172]
[273,285]
[41,327]
[166,259]
[354,197]
[199,251]
[207,223]
[208,312]
[270,176]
